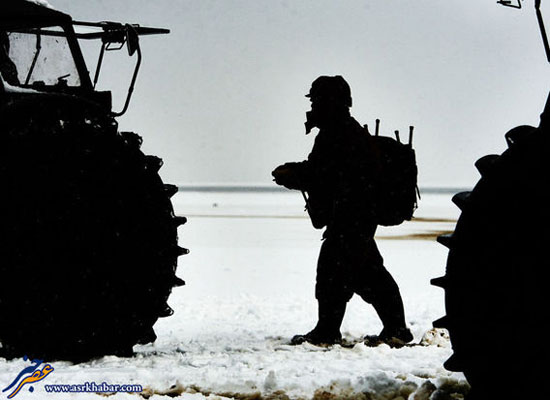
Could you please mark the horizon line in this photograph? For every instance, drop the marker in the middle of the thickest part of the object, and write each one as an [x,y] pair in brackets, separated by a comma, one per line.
[279,189]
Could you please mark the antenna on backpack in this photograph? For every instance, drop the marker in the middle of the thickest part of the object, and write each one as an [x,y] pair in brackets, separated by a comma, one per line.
[397,136]
[377,131]
[411,128]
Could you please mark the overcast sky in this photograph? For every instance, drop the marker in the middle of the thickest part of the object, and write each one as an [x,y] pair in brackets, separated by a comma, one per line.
[221,99]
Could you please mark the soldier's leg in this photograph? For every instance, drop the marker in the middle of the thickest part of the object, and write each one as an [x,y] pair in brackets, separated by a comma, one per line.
[333,288]
[377,287]
[332,292]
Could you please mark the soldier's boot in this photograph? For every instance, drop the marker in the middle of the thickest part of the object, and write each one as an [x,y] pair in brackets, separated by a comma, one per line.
[327,330]
[395,333]
[395,338]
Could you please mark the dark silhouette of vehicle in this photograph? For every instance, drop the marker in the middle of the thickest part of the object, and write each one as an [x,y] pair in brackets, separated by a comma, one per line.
[495,285]
[88,235]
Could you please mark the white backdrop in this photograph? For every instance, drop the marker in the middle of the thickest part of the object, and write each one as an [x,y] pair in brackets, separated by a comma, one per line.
[221,98]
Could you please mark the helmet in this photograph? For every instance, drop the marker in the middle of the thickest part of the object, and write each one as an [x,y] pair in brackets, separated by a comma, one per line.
[331,87]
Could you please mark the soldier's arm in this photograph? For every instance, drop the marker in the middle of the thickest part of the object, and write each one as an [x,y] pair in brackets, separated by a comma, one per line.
[293,175]
[309,174]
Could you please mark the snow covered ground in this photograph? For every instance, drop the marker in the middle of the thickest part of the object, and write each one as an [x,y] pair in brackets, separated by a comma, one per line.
[250,287]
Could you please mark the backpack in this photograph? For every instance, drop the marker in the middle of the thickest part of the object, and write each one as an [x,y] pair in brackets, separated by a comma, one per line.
[396,192]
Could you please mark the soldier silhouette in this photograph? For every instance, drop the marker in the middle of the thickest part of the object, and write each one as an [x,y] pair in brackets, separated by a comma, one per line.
[337,176]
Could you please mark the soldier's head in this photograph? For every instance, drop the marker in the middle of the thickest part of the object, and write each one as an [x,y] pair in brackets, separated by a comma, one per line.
[333,90]
[330,98]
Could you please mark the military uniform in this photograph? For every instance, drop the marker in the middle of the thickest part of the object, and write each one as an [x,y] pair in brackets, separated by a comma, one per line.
[338,176]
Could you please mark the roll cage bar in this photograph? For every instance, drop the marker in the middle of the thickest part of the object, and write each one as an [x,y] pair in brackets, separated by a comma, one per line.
[545,116]
[113,35]
[509,3]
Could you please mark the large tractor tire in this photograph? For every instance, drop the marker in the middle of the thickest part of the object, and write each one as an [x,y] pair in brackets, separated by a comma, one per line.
[88,236]
[495,282]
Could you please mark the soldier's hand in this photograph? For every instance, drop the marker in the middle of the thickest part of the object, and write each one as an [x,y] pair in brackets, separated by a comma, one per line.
[285,175]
